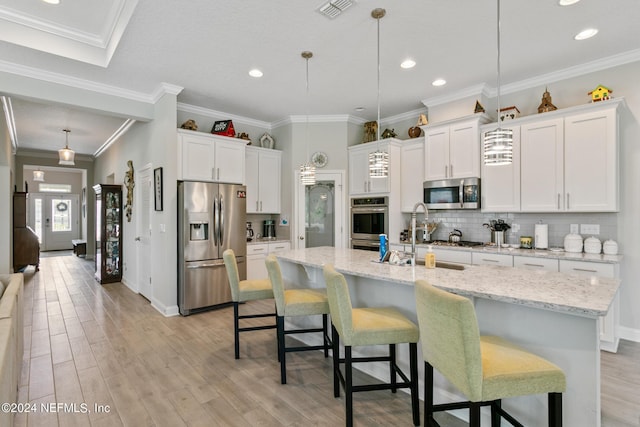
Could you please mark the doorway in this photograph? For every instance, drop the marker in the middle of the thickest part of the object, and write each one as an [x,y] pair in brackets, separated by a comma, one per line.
[143,232]
[55,218]
[320,211]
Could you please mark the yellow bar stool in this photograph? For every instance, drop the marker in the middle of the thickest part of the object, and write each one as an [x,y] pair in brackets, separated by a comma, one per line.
[296,302]
[364,327]
[485,369]
[243,291]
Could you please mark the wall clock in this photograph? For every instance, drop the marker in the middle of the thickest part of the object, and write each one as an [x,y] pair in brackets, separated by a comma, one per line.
[319,159]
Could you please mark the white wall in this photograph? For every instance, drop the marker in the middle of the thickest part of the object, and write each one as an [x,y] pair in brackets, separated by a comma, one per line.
[152,142]
[6,208]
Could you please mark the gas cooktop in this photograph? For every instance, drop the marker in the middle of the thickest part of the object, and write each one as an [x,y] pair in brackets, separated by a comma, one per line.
[462,243]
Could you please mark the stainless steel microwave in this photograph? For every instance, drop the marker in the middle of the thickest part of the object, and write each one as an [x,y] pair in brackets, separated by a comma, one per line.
[460,193]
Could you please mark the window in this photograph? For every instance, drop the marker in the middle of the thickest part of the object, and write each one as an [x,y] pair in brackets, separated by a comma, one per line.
[54,188]
[61,214]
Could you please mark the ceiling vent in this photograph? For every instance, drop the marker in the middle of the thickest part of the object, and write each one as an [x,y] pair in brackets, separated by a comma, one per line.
[334,8]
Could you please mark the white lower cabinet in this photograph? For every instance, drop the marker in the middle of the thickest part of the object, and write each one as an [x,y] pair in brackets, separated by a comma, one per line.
[256,254]
[485,258]
[608,324]
[535,263]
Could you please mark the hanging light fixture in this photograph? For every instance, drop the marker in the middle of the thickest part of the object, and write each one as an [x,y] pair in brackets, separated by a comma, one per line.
[378,160]
[66,154]
[498,144]
[38,175]
[307,169]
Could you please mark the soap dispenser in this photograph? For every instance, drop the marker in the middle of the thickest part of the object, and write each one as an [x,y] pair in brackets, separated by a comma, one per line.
[430,258]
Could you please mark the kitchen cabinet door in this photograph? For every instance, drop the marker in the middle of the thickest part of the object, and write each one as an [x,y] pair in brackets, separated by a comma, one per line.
[591,162]
[501,183]
[464,150]
[542,166]
[411,174]
[359,180]
[256,254]
[436,153]
[229,160]
[263,180]
[197,153]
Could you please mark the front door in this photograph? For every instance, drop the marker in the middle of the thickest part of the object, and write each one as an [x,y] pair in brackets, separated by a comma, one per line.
[320,213]
[55,218]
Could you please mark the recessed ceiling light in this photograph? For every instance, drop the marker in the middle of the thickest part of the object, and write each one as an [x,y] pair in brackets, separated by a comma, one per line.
[567,2]
[255,73]
[439,82]
[52,1]
[408,63]
[586,34]
[358,109]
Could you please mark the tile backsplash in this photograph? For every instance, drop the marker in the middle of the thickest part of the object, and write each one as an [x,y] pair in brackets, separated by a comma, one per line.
[470,223]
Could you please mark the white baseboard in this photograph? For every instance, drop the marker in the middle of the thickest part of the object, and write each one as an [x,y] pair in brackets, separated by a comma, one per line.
[629,334]
[166,311]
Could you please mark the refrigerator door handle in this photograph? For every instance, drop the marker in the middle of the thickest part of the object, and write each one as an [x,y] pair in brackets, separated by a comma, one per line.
[215,221]
[221,225]
[192,267]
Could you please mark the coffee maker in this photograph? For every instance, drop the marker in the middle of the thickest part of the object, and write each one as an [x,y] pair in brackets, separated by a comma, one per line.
[269,229]
[249,232]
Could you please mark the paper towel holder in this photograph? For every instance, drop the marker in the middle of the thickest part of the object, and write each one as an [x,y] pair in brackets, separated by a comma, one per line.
[541,236]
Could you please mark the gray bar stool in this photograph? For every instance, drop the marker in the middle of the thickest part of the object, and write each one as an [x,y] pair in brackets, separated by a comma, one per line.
[296,302]
[363,327]
[485,369]
[243,291]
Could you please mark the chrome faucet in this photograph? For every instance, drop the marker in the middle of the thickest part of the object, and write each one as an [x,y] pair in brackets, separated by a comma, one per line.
[414,226]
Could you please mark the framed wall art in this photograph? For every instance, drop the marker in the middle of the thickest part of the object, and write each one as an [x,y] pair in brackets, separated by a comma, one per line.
[157,185]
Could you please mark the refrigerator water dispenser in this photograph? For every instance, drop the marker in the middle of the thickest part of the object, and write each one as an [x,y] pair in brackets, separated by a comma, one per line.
[199,231]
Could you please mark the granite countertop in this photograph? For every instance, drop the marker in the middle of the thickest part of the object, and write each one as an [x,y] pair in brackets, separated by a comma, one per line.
[554,253]
[588,296]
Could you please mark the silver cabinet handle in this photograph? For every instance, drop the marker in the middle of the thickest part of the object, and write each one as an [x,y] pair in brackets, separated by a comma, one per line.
[256,206]
[534,265]
[365,186]
[257,250]
[558,201]
[585,269]
[446,171]
[279,247]
[490,260]
[260,205]
[450,171]
[567,200]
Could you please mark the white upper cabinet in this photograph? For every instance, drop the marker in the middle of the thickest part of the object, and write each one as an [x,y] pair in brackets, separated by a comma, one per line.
[452,149]
[263,180]
[501,183]
[359,180]
[542,166]
[411,173]
[204,157]
[563,161]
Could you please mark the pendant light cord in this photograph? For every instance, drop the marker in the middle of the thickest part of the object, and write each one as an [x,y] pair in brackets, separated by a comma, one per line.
[498,63]
[378,123]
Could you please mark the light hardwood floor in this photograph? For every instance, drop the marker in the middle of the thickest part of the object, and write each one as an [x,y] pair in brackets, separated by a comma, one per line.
[87,344]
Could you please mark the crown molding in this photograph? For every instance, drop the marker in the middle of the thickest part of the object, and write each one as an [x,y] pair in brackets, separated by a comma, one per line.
[220,115]
[477,90]
[113,138]
[11,122]
[42,154]
[165,89]
[413,114]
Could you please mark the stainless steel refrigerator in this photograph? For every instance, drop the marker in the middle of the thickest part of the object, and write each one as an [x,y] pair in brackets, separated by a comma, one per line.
[211,219]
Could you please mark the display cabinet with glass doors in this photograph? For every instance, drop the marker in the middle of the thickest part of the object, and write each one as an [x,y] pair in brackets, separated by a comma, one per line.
[108,249]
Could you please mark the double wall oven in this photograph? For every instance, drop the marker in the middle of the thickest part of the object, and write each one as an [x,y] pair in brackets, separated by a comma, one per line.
[369,219]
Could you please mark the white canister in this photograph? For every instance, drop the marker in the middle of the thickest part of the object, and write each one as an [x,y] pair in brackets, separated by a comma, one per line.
[592,245]
[573,243]
[610,247]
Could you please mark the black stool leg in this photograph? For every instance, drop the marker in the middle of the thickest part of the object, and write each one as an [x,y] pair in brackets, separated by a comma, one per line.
[428,394]
[335,339]
[392,367]
[281,349]
[236,332]
[496,419]
[413,368]
[348,387]
[555,409]
[325,331]
[474,414]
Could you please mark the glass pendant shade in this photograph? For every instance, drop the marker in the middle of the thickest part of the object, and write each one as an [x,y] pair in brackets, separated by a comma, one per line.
[498,147]
[66,155]
[38,175]
[307,174]
[498,144]
[378,164]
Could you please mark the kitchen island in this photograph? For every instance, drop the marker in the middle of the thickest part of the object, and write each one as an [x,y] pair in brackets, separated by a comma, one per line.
[552,314]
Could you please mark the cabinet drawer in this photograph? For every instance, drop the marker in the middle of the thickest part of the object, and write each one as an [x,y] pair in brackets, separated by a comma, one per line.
[279,247]
[261,248]
[459,257]
[482,258]
[588,268]
[535,263]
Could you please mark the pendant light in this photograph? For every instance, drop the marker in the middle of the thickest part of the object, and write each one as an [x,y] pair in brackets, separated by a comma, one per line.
[307,169]
[66,154]
[378,160]
[498,144]
[38,175]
